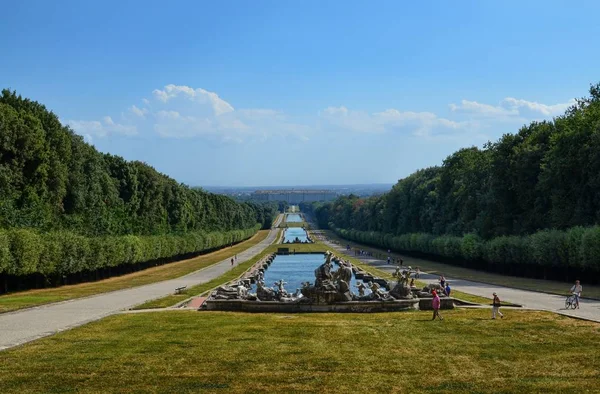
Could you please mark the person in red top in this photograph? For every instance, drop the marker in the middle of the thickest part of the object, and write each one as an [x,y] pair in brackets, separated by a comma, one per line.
[436,305]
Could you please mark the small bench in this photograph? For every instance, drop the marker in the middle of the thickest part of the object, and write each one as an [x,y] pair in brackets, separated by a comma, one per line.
[180,289]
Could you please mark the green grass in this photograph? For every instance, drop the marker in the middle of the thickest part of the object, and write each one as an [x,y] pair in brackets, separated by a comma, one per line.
[296,224]
[188,352]
[25,299]
[547,286]
[173,299]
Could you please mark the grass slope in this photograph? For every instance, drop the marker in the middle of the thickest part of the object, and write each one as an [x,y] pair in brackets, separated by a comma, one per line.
[188,352]
[25,299]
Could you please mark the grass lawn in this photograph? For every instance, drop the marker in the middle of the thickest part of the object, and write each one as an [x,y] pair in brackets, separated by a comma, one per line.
[189,352]
[547,286]
[14,301]
[295,224]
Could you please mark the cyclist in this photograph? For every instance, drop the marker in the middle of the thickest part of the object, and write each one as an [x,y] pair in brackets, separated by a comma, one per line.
[576,291]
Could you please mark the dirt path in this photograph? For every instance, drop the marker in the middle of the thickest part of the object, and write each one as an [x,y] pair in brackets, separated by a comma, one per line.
[23,326]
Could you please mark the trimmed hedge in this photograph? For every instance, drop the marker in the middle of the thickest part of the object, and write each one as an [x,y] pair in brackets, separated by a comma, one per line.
[548,254]
[24,252]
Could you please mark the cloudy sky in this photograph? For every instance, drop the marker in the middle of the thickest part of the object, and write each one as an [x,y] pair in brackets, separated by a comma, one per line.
[290,93]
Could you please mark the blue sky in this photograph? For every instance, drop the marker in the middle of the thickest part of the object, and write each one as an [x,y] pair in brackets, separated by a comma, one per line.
[292,93]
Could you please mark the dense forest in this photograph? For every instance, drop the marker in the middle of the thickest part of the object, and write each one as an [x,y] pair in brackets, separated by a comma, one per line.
[527,204]
[68,211]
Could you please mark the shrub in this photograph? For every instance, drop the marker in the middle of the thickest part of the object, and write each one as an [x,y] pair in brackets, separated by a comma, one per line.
[590,248]
[25,250]
[6,260]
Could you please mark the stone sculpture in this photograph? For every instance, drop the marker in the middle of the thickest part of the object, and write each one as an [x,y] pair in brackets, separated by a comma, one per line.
[280,289]
[361,289]
[264,293]
[238,290]
[329,286]
[344,272]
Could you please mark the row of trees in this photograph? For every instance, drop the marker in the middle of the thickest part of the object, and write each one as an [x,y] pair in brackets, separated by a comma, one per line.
[545,177]
[29,258]
[50,179]
[66,208]
[547,254]
[266,212]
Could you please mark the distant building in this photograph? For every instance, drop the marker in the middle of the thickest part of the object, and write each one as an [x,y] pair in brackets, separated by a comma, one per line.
[294,196]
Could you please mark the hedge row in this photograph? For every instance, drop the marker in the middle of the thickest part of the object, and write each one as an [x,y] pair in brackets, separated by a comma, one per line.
[25,252]
[545,253]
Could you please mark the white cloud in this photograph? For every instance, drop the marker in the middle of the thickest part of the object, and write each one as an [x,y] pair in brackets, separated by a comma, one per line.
[96,128]
[389,120]
[169,92]
[167,114]
[511,108]
[141,112]
[479,109]
[547,110]
[179,111]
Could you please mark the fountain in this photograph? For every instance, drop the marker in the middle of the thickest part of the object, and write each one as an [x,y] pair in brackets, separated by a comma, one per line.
[330,292]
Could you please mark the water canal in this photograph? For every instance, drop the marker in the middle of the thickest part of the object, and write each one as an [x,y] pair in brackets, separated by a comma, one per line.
[293,233]
[297,268]
[293,218]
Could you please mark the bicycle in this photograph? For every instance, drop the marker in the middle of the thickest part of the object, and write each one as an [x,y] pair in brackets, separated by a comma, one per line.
[571,302]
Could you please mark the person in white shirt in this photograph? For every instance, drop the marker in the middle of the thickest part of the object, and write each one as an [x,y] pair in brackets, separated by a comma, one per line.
[576,291]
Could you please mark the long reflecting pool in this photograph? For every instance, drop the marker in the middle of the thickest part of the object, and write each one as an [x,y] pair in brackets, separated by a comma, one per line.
[293,217]
[292,233]
[297,268]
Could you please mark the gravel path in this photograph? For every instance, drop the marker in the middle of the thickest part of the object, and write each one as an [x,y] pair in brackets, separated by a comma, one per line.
[589,309]
[23,326]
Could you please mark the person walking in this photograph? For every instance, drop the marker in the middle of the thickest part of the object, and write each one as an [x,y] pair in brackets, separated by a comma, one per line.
[496,307]
[435,303]
[576,291]
[232,261]
[418,273]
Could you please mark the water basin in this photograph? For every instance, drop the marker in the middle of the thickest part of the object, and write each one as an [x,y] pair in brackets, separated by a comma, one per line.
[297,268]
[292,233]
[293,218]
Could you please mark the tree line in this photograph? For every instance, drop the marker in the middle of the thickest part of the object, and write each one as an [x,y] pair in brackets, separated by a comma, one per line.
[66,207]
[527,198]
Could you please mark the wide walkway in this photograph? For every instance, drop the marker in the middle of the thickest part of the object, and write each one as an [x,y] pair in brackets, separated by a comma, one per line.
[589,309]
[29,324]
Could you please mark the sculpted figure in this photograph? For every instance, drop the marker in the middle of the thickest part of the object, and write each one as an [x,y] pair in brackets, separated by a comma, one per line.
[344,273]
[361,289]
[264,293]
[281,290]
[323,273]
[242,292]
